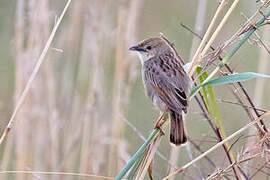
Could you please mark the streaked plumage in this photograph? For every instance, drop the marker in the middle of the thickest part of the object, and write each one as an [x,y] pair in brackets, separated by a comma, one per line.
[166,82]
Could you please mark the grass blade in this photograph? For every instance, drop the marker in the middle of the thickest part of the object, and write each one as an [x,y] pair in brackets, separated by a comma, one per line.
[240,77]
[141,151]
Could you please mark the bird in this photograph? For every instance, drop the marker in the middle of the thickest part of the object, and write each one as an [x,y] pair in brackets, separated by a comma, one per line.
[166,82]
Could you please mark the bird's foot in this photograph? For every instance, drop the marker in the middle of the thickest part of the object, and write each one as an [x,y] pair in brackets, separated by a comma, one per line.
[157,126]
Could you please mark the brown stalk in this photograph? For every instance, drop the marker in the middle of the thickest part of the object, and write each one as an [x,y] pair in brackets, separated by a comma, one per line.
[73,107]
[199,24]
[123,79]
[217,132]
[218,145]
[32,77]
[240,104]
[94,128]
[215,175]
[240,84]
[148,158]
[244,91]
[260,170]
[117,111]
[260,82]
[32,114]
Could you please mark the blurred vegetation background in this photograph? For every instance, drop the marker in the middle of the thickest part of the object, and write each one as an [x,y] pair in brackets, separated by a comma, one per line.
[86,111]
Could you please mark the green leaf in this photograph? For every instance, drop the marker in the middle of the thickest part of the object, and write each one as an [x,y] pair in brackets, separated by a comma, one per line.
[140,153]
[263,24]
[204,90]
[137,155]
[231,53]
[212,107]
[240,77]
[135,167]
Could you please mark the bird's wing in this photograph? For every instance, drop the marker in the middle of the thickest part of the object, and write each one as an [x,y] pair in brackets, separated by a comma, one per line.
[169,81]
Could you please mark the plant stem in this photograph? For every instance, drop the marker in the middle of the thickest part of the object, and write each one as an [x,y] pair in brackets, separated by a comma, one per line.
[194,61]
[233,51]
[33,74]
[141,150]
[218,145]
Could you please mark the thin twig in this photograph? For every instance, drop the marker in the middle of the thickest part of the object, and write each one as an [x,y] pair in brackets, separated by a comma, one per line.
[144,139]
[199,150]
[218,145]
[195,61]
[236,163]
[235,103]
[260,170]
[212,39]
[149,157]
[231,71]
[56,173]
[220,137]
[33,74]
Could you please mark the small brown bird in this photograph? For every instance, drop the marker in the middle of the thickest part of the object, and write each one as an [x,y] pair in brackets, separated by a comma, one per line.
[166,82]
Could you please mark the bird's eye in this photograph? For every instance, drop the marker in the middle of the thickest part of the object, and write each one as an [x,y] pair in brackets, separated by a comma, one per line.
[148,47]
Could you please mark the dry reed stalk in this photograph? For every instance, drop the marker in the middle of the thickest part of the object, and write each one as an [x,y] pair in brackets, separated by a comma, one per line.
[72,42]
[19,46]
[88,117]
[259,89]
[53,118]
[31,136]
[32,77]
[174,154]
[212,38]
[29,150]
[243,101]
[139,134]
[94,124]
[41,28]
[204,51]
[20,36]
[243,96]
[251,124]
[148,158]
[118,108]
[199,23]
[206,36]
[247,98]
[208,45]
[58,173]
[71,142]
[7,155]
[247,25]
[124,76]
[262,68]
[242,160]
[240,97]
[71,104]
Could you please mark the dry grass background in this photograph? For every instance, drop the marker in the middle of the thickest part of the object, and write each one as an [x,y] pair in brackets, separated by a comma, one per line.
[86,111]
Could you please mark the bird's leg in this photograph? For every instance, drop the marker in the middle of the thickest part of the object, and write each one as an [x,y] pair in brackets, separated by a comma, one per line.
[157,125]
[162,117]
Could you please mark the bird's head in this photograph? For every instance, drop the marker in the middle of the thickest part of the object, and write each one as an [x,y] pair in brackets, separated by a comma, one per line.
[150,47]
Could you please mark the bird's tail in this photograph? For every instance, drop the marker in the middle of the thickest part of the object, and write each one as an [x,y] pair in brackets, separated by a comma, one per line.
[177,134]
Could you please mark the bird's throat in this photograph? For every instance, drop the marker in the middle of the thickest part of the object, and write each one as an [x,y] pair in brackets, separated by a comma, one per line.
[144,57]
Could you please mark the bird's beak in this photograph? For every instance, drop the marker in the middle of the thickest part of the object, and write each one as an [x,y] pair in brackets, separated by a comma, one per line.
[137,48]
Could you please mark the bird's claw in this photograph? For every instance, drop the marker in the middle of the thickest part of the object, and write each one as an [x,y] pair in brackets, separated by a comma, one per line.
[157,126]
